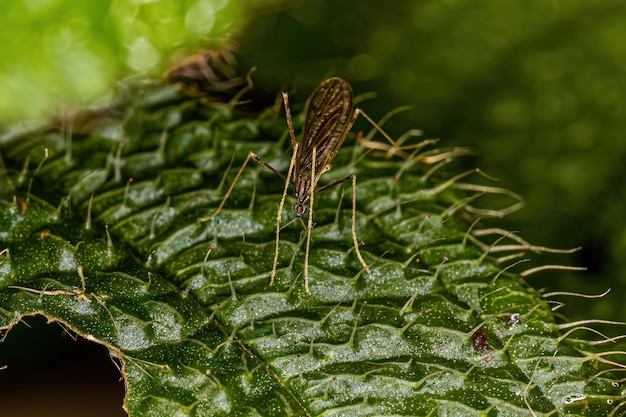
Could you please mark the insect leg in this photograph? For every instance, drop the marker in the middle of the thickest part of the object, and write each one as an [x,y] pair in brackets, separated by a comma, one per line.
[280,210]
[394,147]
[292,134]
[287,179]
[309,226]
[251,155]
[354,237]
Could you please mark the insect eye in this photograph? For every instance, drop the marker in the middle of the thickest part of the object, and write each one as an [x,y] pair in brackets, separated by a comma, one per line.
[327,168]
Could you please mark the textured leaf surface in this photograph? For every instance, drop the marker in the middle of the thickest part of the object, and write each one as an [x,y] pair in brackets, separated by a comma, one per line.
[438,327]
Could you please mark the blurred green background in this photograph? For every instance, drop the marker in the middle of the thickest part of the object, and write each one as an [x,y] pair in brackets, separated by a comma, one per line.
[538,88]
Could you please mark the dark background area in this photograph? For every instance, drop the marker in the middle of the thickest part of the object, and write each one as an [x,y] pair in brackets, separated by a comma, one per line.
[50,373]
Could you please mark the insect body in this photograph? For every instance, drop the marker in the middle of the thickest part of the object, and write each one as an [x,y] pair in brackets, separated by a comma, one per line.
[328,115]
[329,118]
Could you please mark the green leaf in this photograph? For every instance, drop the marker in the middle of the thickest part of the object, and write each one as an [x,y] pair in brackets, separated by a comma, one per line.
[105,239]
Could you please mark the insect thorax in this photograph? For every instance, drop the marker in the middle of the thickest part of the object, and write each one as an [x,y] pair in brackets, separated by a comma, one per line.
[302,187]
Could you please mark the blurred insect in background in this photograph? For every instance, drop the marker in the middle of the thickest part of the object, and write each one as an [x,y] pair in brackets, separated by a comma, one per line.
[209,74]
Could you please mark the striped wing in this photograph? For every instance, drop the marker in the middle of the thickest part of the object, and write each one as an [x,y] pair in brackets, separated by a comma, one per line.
[329,111]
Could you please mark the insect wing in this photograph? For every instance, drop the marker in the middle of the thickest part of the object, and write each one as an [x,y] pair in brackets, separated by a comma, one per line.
[328,113]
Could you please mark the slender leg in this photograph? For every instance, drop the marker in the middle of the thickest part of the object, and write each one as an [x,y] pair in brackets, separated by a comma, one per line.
[389,150]
[287,179]
[310,224]
[280,211]
[373,123]
[354,237]
[292,134]
[251,155]
[394,147]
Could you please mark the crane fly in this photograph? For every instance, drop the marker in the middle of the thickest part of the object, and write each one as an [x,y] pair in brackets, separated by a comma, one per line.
[329,117]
